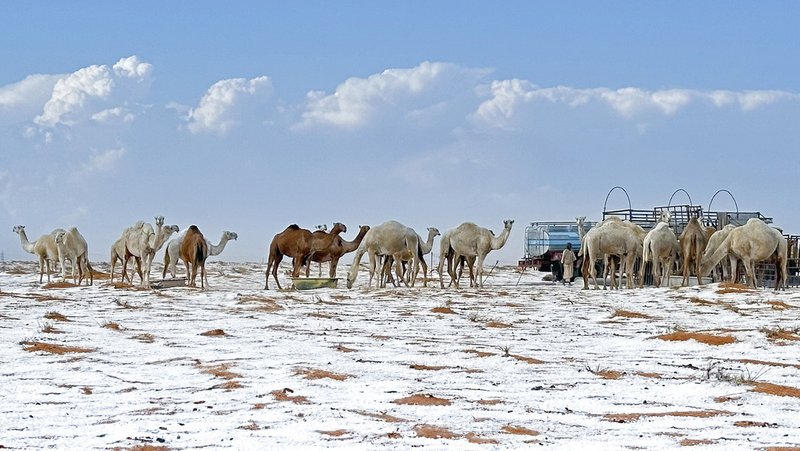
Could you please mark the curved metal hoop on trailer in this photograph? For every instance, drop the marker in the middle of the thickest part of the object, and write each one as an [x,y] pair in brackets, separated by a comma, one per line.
[669,204]
[729,193]
[605,204]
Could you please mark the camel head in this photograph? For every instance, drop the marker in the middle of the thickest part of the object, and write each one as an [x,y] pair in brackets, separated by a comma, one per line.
[665,216]
[18,229]
[170,229]
[230,235]
[580,220]
[433,231]
[159,220]
[338,227]
[508,223]
[60,237]
[323,227]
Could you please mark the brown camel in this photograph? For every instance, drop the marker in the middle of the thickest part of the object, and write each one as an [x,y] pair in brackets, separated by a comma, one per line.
[293,242]
[337,249]
[693,244]
[194,252]
[323,244]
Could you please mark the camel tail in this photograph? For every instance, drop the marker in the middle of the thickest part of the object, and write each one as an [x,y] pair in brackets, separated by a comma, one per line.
[646,252]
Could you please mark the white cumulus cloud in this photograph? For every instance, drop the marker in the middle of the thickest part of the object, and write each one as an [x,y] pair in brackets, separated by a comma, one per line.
[219,109]
[83,93]
[416,89]
[114,114]
[20,101]
[104,161]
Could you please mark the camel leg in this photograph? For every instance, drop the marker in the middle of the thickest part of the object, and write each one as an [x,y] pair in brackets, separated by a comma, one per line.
[276,263]
[424,273]
[372,267]
[479,271]
[452,270]
[440,268]
[398,269]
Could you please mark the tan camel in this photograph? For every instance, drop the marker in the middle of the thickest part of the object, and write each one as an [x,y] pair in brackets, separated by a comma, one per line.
[693,244]
[469,240]
[194,252]
[752,243]
[423,249]
[142,243]
[72,245]
[44,248]
[337,249]
[293,242]
[390,238]
[659,248]
[323,244]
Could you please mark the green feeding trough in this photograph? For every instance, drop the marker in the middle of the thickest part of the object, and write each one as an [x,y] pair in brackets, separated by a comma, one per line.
[310,283]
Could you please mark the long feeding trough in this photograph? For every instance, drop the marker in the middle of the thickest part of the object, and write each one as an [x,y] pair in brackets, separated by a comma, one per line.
[310,283]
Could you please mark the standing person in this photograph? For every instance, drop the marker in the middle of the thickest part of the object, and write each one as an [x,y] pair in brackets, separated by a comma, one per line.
[567,263]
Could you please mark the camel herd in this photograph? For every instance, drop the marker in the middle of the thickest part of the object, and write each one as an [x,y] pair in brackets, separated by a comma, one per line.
[697,250]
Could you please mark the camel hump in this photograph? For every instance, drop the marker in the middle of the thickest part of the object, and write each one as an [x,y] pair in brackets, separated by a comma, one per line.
[194,228]
[294,227]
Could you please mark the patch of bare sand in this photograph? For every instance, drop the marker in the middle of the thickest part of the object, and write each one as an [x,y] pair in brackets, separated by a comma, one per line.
[755,424]
[781,334]
[709,339]
[475,438]
[529,360]
[336,433]
[36,346]
[428,367]
[480,353]
[764,362]
[214,333]
[777,390]
[490,402]
[629,314]
[262,303]
[342,348]
[519,430]
[780,305]
[58,285]
[221,370]
[498,325]
[438,432]
[445,310]
[652,375]
[631,417]
[314,374]
[696,442]
[422,400]
[55,316]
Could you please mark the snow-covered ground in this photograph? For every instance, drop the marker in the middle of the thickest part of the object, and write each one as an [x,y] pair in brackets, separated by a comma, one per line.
[512,365]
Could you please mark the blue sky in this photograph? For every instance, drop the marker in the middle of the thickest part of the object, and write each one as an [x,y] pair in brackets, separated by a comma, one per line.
[249,116]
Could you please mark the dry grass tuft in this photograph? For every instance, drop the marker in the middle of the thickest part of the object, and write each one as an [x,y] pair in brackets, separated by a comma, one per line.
[629,314]
[781,334]
[776,390]
[112,325]
[214,333]
[55,316]
[381,416]
[342,348]
[728,287]
[50,329]
[422,400]
[428,431]
[283,395]
[230,385]
[490,402]
[755,424]
[86,390]
[780,305]
[721,399]
[314,374]
[221,370]
[519,430]
[251,426]
[144,338]
[36,346]
[446,310]
[713,340]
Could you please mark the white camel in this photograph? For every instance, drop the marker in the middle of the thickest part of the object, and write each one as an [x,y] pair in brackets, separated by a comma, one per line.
[118,253]
[143,243]
[44,248]
[469,240]
[659,248]
[611,237]
[72,245]
[424,248]
[172,254]
[390,238]
[729,267]
[752,243]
